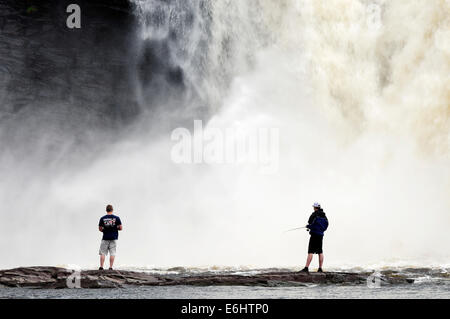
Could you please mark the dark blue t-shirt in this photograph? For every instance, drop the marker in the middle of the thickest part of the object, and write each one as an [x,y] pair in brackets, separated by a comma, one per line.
[109,224]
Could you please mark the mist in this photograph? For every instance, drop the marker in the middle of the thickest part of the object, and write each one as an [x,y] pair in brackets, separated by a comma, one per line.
[359,91]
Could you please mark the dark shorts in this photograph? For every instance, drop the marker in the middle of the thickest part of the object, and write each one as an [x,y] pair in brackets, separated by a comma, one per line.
[315,244]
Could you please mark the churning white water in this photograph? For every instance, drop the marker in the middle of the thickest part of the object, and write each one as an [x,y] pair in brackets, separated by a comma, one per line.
[360,94]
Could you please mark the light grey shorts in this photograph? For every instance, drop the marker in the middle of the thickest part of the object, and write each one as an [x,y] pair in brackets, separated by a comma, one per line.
[108,246]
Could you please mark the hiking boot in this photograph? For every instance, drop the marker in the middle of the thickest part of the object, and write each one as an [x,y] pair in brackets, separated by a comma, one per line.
[305,270]
[100,268]
[319,270]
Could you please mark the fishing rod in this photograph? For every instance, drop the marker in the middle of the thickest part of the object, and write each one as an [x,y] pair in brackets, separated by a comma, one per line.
[295,229]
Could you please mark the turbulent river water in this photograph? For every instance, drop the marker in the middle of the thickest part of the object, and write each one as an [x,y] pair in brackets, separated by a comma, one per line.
[183,292]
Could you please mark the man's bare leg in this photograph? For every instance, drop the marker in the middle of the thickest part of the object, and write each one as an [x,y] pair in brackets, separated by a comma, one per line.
[320,260]
[102,260]
[308,260]
[111,261]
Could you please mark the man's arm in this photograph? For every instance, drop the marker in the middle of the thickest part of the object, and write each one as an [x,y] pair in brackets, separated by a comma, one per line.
[119,224]
[311,220]
[100,225]
[326,224]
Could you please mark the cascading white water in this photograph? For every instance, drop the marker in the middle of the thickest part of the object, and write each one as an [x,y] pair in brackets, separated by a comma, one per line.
[360,93]
[359,90]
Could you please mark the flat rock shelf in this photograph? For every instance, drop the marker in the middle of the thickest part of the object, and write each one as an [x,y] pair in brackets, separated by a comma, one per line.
[55,277]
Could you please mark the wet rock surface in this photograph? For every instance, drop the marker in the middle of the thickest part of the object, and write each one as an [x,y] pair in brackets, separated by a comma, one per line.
[54,277]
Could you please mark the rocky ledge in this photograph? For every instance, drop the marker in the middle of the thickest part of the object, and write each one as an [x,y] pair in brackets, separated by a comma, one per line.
[54,277]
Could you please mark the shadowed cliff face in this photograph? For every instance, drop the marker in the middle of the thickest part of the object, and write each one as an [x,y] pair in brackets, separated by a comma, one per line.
[59,84]
[47,63]
[63,90]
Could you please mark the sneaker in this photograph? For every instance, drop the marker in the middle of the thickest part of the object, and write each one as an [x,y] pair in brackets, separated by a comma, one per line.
[305,270]
[319,270]
[100,268]
[110,268]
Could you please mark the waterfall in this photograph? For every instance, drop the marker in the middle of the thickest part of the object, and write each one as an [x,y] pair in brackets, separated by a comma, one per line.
[359,91]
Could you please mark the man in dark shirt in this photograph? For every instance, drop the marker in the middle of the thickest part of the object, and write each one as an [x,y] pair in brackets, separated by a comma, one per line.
[317,225]
[109,225]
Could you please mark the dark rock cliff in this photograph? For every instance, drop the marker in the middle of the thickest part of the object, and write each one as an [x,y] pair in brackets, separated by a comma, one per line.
[48,63]
[58,81]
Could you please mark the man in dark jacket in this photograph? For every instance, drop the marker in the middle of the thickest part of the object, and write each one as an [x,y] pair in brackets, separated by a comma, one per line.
[317,225]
